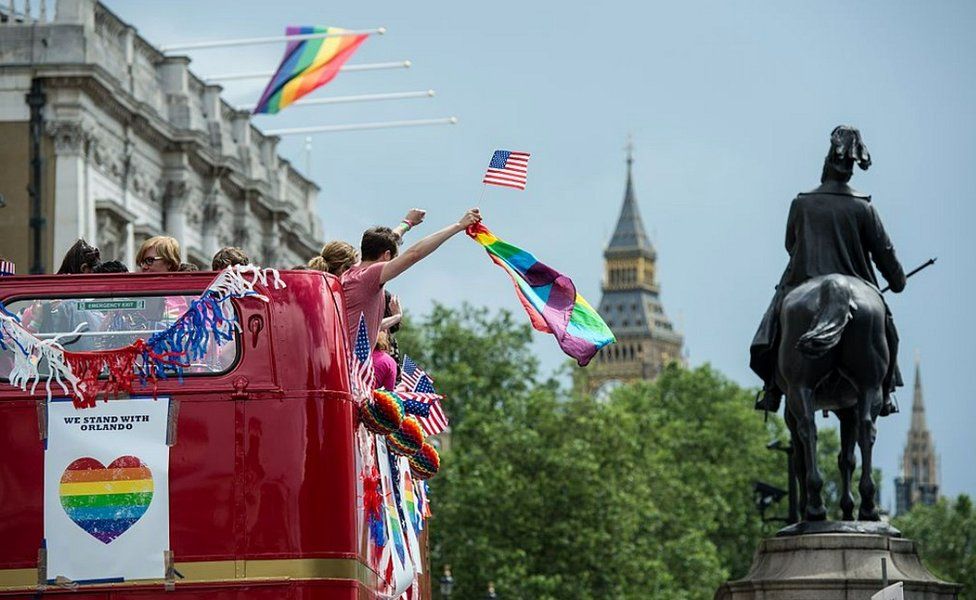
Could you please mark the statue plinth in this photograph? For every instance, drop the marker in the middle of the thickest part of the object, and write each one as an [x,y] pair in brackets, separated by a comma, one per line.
[835,566]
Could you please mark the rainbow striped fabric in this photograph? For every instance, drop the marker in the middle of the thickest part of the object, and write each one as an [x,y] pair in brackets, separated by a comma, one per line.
[106,501]
[306,66]
[549,298]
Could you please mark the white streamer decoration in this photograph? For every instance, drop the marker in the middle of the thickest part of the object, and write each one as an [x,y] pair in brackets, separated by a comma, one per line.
[31,352]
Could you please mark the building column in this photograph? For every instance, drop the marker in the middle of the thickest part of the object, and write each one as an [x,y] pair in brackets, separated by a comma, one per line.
[174,211]
[73,213]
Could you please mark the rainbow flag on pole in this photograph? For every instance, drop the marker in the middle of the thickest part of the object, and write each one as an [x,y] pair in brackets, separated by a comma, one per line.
[549,298]
[306,66]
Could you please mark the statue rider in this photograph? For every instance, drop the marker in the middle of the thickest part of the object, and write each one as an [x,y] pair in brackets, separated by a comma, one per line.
[831,229]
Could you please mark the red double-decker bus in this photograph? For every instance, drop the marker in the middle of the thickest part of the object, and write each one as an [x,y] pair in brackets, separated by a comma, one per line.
[263,472]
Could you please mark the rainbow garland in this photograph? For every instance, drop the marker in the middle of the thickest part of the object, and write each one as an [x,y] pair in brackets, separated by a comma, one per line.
[205,324]
[549,298]
[306,66]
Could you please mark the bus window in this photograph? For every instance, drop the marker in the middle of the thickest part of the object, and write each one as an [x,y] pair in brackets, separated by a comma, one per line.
[103,323]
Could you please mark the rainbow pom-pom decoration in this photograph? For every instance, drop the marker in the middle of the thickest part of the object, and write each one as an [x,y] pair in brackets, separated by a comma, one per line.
[407,440]
[426,462]
[383,413]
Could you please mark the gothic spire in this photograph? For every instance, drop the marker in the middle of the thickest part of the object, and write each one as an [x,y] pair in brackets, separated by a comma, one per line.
[918,403]
[630,234]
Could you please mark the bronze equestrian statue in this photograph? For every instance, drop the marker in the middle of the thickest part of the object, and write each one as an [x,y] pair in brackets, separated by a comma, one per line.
[827,339]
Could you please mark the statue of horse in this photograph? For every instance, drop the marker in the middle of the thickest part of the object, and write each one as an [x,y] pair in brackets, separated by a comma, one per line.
[833,355]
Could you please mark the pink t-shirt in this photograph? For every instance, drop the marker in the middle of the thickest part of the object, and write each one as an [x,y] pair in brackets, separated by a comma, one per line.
[364,295]
[385,369]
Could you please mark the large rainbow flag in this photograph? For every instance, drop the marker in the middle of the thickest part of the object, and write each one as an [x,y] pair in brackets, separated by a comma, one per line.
[549,298]
[307,65]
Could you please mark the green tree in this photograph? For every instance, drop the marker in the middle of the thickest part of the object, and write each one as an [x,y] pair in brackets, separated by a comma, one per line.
[557,495]
[947,534]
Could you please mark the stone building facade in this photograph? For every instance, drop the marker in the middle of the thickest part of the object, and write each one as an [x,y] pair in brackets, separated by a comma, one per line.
[132,144]
[919,481]
[631,305]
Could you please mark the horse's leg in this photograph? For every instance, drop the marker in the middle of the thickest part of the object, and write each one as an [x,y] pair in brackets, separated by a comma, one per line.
[799,466]
[801,402]
[846,460]
[865,439]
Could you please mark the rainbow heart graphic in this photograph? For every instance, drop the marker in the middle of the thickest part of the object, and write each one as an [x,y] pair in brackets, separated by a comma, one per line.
[106,501]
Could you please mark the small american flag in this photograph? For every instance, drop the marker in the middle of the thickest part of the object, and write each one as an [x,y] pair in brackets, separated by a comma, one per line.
[416,386]
[436,422]
[363,355]
[409,374]
[508,169]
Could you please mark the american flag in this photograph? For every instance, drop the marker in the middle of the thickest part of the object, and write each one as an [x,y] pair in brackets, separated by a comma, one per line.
[363,354]
[508,169]
[417,386]
[409,374]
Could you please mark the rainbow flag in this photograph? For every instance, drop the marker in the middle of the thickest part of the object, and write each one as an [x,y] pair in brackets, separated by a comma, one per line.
[106,501]
[549,298]
[307,65]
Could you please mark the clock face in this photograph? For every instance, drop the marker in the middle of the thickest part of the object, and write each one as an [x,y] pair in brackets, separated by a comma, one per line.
[606,388]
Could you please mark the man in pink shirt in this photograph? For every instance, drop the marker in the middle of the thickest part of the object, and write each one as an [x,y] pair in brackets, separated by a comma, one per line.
[362,285]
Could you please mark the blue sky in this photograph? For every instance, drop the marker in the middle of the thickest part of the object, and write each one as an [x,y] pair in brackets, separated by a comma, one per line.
[730,106]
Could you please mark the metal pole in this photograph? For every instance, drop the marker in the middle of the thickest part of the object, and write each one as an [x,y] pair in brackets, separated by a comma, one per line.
[403,64]
[268,40]
[359,98]
[36,100]
[884,573]
[365,98]
[358,126]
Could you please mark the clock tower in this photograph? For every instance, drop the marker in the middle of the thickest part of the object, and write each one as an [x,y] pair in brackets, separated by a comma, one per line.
[631,304]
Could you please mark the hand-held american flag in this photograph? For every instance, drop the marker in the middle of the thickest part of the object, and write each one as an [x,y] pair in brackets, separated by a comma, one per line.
[422,400]
[508,169]
[363,375]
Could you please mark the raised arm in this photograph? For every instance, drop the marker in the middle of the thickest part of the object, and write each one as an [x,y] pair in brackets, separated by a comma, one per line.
[414,217]
[426,246]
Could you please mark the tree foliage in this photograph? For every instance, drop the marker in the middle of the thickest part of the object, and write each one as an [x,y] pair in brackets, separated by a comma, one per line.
[647,494]
[947,533]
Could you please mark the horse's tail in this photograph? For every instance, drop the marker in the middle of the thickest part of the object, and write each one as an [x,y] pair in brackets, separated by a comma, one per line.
[835,308]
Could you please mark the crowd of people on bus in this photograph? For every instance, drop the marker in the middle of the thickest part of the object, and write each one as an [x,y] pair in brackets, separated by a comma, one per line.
[363,274]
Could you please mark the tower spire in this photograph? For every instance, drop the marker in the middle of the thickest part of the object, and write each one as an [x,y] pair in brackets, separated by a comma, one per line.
[918,401]
[630,234]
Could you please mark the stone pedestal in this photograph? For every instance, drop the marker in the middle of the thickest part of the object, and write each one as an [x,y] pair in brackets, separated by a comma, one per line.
[835,566]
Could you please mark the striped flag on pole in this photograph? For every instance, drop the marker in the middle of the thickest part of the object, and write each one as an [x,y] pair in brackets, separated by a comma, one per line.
[363,356]
[422,400]
[508,169]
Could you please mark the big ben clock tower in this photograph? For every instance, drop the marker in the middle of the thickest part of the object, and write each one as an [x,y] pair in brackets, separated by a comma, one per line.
[631,304]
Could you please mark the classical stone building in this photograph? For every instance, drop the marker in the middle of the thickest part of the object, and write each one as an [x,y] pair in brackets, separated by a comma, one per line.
[919,481]
[631,305]
[121,142]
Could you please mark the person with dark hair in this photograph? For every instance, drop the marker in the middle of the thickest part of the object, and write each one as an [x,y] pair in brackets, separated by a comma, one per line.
[81,257]
[229,256]
[363,284]
[188,268]
[111,266]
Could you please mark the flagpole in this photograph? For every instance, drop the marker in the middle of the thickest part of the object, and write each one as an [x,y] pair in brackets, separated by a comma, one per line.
[267,40]
[359,126]
[359,98]
[402,64]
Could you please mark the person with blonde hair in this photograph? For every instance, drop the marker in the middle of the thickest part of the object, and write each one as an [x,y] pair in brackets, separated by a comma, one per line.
[159,254]
[336,257]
